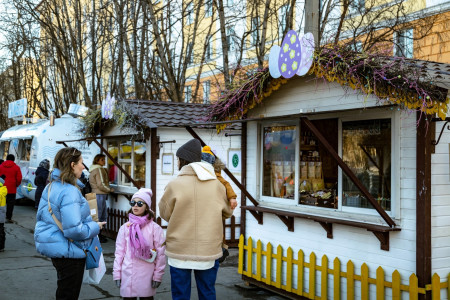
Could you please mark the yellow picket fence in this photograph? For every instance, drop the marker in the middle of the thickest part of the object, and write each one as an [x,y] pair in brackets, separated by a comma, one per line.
[282,269]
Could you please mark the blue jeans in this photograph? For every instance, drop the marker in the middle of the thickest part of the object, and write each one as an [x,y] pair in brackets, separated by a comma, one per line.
[101,207]
[205,279]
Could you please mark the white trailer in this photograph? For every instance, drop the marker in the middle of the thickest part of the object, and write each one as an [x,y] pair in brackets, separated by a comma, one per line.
[31,143]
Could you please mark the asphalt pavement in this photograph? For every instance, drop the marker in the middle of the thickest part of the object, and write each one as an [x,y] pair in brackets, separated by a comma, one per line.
[27,275]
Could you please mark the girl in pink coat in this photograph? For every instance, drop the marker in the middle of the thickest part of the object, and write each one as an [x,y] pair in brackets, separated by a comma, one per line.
[139,258]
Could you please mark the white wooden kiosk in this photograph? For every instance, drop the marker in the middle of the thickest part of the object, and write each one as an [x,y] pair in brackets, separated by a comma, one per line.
[147,158]
[349,199]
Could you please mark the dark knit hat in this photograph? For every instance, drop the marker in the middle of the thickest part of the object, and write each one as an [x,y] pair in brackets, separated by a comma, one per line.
[191,151]
[207,155]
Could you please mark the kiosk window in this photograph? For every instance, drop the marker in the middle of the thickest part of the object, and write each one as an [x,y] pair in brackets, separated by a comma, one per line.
[366,149]
[131,157]
[279,148]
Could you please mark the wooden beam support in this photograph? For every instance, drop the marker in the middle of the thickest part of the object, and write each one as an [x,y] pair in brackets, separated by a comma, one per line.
[288,221]
[424,149]
[154,155]
[328,228]
[383,237]
[243,177]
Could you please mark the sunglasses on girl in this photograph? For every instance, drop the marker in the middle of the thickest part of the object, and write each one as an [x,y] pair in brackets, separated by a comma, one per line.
[139,203]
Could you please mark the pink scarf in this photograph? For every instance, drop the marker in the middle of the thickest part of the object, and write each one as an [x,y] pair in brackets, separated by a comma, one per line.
[140,247]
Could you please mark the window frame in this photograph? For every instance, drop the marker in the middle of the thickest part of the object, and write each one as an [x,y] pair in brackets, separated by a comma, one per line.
[206,91]
[404,43]
[121,178]
[284,9]
[208,8]
[260,180]
[255,30]
[190,13]
[230,39]
[340,210]
[355,6]
[395,163]
[187,94]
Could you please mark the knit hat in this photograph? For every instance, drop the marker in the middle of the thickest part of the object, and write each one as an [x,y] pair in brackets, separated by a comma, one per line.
[207,155]
[144,194]
[45,163]
[191,151]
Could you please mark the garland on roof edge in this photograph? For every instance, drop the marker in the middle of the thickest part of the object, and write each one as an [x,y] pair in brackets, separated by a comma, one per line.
[392,80]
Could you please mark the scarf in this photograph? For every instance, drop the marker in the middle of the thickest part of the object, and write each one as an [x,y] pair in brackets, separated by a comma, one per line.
[140,247]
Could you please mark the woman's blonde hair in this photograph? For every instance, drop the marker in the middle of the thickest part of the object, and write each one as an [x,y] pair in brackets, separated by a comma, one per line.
[218,165]
[63,161]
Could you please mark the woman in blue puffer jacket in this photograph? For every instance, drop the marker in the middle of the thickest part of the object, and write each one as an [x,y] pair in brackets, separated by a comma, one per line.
[72,210]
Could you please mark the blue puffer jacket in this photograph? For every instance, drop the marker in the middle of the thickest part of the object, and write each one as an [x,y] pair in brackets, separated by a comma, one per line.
[72,209]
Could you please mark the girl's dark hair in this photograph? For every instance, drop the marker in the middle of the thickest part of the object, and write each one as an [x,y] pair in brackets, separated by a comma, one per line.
[63,161]
[148,212]
[97,158]
[182,163]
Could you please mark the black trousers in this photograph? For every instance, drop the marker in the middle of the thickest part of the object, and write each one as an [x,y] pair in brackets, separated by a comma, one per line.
[2,236]
[70,277]
[10,200]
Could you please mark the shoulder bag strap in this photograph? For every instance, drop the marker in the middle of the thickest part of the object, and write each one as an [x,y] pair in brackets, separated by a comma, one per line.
[58,223]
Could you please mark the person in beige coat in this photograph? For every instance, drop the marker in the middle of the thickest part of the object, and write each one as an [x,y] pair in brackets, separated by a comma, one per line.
[194,205]
[98,179]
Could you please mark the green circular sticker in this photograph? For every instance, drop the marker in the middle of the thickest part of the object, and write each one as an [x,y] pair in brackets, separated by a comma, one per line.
[235,160]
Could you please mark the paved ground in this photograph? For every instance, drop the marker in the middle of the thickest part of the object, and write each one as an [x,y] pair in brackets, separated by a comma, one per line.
[25,274]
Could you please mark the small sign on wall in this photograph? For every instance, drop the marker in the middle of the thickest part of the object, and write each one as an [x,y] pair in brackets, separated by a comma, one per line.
[167,164]
[234,160]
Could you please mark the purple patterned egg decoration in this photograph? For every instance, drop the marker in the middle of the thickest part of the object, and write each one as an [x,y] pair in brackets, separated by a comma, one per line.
[290,55]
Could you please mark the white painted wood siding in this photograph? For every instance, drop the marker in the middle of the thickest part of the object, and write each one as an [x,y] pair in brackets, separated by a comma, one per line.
[351,243]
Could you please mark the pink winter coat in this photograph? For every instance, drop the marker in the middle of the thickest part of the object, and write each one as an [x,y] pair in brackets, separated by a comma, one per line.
[136,274]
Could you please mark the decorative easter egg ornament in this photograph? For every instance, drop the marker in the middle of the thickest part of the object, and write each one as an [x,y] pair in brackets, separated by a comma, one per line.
[108,107]
[273,61]
[290,55]
[307,51]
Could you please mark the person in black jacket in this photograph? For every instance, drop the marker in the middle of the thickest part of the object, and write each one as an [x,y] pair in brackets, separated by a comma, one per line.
[41,180]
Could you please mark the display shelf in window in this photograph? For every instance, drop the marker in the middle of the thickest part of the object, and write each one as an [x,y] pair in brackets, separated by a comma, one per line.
[314,190]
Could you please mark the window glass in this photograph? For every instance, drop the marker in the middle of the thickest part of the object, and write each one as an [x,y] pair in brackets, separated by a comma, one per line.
[279,161]
[124,179]
[24,150]
[125,150]
[4,147]
[113,171]
[190,13]
[131,157]
[404,43]
[206,91]
[139,162]
[283,19]
[366,149]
